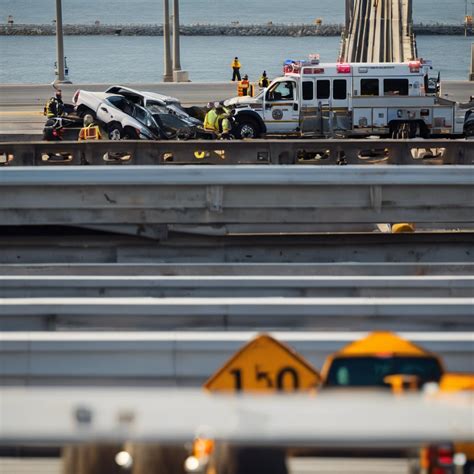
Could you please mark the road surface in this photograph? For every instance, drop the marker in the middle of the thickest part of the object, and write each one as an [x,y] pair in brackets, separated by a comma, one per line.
[21,106]
[297,466]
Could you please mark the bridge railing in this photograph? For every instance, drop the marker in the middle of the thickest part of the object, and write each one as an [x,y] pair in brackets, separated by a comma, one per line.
[218,195]
[264,152]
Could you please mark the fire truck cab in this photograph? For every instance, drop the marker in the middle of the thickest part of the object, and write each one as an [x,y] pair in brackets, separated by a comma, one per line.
[338,99]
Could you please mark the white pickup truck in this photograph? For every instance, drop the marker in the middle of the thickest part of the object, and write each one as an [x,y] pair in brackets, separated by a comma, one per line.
[121,117]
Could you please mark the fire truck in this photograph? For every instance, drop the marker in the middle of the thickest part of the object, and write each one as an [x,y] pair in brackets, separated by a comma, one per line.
[349,100]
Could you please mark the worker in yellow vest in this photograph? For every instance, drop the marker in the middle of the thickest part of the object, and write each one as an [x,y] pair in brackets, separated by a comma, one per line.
[263,82]
[210,120]
[223,123]
[90,131]
[235,69]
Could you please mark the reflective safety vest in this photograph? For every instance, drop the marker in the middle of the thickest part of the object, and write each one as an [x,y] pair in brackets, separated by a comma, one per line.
[226,125]
[263,82]
[91,132]
[53,108]
[243,87]
[210,120]
[235,64]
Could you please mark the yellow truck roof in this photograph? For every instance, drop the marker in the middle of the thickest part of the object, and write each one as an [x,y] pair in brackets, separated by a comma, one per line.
[382,342]
[378,344]
[452,382]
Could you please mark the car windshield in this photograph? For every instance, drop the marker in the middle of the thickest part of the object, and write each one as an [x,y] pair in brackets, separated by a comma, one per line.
[177,110]
[145,117]
[171,121]
[371,371]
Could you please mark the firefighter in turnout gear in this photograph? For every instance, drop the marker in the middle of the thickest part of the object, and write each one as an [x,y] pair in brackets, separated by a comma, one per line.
[90,131]
[55,106]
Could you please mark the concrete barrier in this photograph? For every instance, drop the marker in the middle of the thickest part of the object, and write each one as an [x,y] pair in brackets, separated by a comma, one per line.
[216,195]
[261,152]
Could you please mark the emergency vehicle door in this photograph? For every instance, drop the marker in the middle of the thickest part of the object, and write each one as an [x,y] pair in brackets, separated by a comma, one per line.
[310,116]
[281,110]
[341,103]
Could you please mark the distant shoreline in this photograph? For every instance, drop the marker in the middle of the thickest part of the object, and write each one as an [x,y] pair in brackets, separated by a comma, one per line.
[268,29]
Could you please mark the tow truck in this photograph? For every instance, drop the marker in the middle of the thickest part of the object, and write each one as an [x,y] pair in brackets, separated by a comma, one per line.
[344,100]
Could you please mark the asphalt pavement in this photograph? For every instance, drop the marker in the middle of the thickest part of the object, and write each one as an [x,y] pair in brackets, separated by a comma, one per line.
[21,105]
[296,466]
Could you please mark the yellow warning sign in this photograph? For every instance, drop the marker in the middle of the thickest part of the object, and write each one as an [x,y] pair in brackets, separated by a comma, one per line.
[264,365]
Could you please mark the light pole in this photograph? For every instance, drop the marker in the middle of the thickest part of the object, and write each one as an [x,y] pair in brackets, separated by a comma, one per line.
[60,44]
[168,73]
[178,74]
[176,55]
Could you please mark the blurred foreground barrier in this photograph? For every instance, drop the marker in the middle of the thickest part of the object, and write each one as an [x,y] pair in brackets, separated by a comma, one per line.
[241,195]
[59,416]
[262,152]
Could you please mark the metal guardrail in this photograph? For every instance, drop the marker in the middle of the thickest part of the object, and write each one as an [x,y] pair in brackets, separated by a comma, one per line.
[259,152]
[76,246]
[56,417]
[234,286]
[236,268]
[244,195]
[33,314]
[170,358]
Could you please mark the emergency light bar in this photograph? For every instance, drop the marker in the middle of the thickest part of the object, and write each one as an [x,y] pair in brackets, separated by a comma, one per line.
[414,66]
[343,68]
[313,70]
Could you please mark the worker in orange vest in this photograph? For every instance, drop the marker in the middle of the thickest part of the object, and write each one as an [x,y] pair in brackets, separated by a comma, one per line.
[235,69]
[90,130]
[244,85]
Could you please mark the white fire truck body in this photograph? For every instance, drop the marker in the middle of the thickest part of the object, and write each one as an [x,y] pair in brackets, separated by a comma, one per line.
[314,99]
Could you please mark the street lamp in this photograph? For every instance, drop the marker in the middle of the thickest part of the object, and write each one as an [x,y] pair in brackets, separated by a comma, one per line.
[178,74]
[60,45]
[168,73]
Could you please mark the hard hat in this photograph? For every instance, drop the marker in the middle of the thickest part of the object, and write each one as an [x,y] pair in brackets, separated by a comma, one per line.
[210,105]
[216,104]
[88,120]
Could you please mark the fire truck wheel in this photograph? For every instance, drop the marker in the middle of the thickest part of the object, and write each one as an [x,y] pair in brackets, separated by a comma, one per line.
[248,128]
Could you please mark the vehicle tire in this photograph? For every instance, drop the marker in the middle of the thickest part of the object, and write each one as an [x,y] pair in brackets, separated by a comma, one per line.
[82,111]
[469,131]
[247,128]
[130,133]
[115,131]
